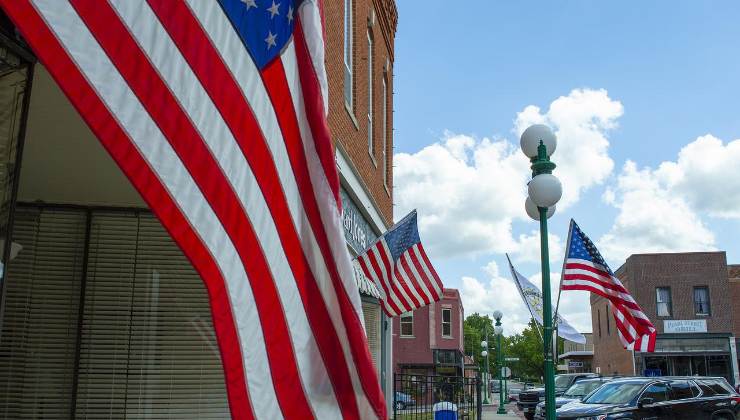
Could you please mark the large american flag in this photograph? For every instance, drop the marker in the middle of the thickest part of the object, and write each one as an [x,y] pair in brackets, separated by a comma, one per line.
[399,266]
[585,269]
[216,112]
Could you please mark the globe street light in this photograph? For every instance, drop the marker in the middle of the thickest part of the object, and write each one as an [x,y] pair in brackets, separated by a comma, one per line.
[484,353]
[499,330]
[538,143]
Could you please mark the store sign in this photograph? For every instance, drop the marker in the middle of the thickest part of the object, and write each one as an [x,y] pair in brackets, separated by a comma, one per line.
[357,231]
[685,326]
[572,364]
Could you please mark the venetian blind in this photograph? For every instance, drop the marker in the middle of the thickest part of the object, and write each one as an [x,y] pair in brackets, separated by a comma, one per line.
[39,324]
[148,349]
[371,313]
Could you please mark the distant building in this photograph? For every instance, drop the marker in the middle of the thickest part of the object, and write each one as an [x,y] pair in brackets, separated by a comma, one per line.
[576,357]
[693,304]
[429,340]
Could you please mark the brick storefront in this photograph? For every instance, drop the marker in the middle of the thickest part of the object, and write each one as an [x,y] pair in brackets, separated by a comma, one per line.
[694,288]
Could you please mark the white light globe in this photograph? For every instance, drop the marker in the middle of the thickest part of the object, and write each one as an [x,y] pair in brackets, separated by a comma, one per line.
[484,344]
[531,139]
[545,190]
[498,330]
[497,314]
[484,353]
[534,212]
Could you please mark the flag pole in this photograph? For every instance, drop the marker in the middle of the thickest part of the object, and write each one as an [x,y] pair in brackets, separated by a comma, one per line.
[562,270]
[521,293]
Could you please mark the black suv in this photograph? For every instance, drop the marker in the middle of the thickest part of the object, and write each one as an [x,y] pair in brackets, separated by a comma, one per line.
[576,392]
[529,399]
[664,398]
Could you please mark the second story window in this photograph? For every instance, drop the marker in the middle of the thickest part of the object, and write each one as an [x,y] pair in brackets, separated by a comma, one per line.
[701,300]
[370,145]
[348,81]
[407,324]
[663,301]
[447,322]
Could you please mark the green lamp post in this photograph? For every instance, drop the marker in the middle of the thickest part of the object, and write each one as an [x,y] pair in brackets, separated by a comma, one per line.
[499,330]
[484,353]
[538,142]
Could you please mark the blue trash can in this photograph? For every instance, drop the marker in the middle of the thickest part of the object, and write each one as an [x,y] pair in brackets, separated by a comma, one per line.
[444,410]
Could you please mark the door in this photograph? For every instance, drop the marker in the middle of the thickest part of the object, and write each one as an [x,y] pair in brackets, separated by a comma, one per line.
[655,403]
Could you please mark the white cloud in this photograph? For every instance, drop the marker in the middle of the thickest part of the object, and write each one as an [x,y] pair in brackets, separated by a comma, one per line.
[653,217]
[528,248]
[581,122]
[469,191]
[703,175]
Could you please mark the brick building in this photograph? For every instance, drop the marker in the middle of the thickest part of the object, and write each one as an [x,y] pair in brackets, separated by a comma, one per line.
[430,339]
[688,298]
[102,315]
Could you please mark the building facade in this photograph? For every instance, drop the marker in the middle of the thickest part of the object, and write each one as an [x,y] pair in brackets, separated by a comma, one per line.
[429,340]
[688,298]
[102,316]
[577,357]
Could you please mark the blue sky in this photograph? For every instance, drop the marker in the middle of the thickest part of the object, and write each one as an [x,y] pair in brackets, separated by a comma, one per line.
[638,82]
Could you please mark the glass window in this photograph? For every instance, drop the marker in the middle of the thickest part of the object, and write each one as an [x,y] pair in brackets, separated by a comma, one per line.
[658,392]
[614,393]
[681,390]
[370,52]
[385,133]
[701,300]
[407,324]
[598,318]
[446,322]
[348,39]
[663,301]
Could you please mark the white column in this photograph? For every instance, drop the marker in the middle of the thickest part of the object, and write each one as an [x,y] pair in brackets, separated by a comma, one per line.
[733,356]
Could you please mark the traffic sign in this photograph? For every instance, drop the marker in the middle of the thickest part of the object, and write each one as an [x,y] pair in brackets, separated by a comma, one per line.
[506,372]
[511,359]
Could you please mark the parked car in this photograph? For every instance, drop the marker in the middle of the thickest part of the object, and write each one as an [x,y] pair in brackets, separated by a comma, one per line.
[661,398]
[495,386]
[576,392]
[527,400]
[402,401]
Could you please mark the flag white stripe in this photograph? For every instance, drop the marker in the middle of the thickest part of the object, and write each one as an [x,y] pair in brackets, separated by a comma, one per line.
[311,17]
[311,247]
[134,119]
[636,313]
[575,282]
[403,276]
[407,303]
[386,276]
[165,56]
[427,269]
[418,276]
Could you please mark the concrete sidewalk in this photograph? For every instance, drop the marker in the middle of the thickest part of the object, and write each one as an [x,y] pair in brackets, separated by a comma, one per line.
[489,413]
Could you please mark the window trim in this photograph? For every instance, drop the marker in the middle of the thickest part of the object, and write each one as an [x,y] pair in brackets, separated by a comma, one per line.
[371,97]
[400,325]
[709,301]
[348,58]
[442,320]
[670,302]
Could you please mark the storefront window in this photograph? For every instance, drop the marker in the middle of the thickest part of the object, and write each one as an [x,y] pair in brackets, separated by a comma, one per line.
[407,324]
[663,301]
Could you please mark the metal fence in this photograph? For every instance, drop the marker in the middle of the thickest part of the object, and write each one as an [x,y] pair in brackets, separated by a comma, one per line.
[415,396]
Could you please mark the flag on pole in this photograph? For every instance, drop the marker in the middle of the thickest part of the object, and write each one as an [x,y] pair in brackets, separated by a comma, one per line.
[585,269]
[532,297]
[216,112]
[398,264]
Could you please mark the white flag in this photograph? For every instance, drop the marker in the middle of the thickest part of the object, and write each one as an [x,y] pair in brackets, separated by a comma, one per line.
[532,297]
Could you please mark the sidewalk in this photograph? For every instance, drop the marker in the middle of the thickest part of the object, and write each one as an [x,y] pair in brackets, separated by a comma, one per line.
[489,413]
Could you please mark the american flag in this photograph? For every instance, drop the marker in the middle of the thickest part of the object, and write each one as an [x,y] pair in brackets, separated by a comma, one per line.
[585,269]
[216,112]
[398,264]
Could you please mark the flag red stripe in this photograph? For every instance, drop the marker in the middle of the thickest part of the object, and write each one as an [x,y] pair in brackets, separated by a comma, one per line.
[114,139]
[423,274]
[616,302]
[206,63]
[581,266]
[406,287]
[382,276]
[414,281]
[423,254]
[599,285]
[598,275]
[315,114]
[386,258]
[165,110]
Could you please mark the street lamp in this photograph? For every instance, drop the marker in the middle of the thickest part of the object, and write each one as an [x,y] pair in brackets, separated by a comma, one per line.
[484,353]
[538,142]
[499,331]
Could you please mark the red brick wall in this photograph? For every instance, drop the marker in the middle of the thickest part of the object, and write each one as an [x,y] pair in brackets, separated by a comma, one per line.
[349,127]
[733,274]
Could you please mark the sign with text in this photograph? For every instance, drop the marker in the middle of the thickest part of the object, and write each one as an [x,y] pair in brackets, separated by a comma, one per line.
[357,231]
[685,326]
[572,364]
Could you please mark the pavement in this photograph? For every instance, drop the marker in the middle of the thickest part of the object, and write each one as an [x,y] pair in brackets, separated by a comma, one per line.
[512,413]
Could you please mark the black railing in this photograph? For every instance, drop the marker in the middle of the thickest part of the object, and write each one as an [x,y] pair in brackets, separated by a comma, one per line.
[417,396]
